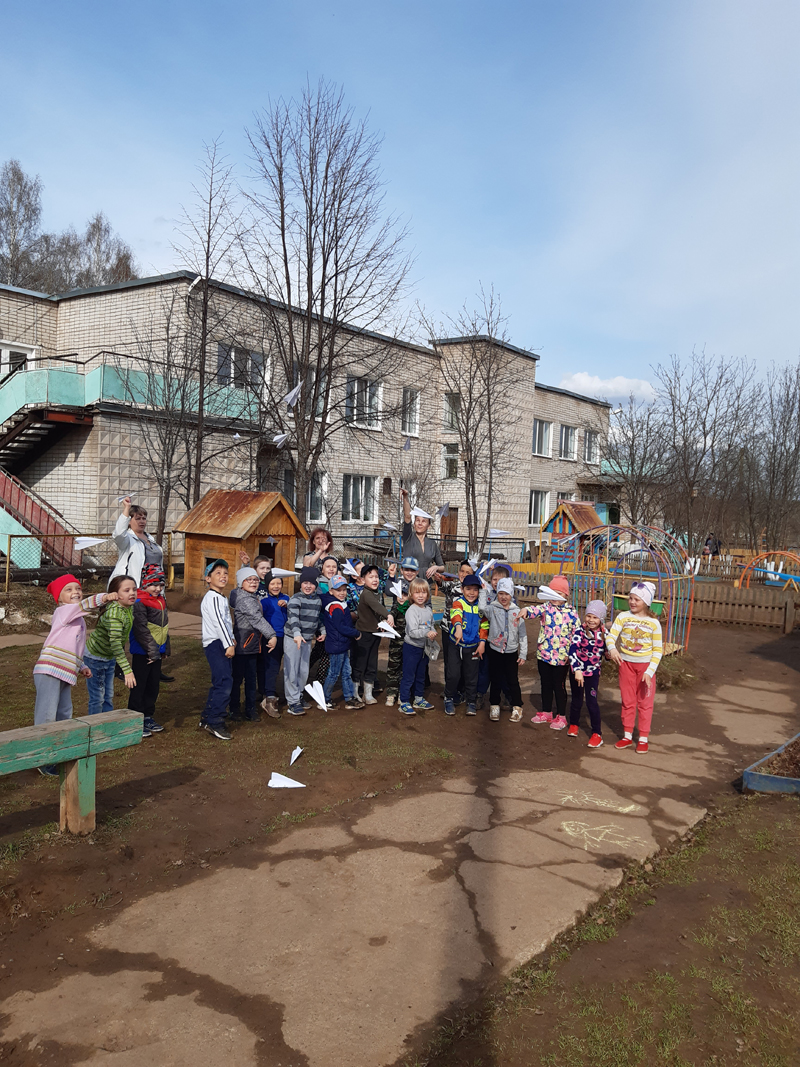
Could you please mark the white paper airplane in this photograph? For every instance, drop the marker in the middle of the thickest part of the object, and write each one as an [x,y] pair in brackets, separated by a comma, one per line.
[500,533]
[125,497]
[271,540]
[280,781]
[237,437]
[295,754]
[546,593]
[396,589]
[443,510]
[348,568]
[279,572]
[280,439]
[386,629]
[389,526]
[522,587]
[86,542]
[317,693]
[292,397]
[418,513]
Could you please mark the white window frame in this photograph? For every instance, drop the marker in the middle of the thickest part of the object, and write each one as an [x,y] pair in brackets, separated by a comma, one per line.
[30,352]
[548,452]
[566,495]
[450,413]
[561,435]
[544,510]
[450,453]
[366,493]
[409,420]
[368,384]
[230,365]
[592,456]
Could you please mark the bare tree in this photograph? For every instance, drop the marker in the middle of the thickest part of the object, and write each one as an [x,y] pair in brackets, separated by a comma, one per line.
[20,218]
[635,453]
[329,266]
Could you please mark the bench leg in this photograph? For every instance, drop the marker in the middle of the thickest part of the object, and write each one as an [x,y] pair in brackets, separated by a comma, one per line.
[77,795]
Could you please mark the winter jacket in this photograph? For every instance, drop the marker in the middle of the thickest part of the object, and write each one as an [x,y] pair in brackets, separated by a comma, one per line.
[339,630]
[62,652]
[107,641]
[507,631]
[469,617]
[131,550]
[419,623]
[558,623]
[370,611]
[451,590]
[150,633]
[248,622]
[274,613]
[217,622]
[303,616]
[587,649]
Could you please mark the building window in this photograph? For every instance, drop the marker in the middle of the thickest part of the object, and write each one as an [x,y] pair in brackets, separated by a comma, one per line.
[410,418]
[363,403]
[315,501]
[449,461]
[452,410]
[240,367]
[15,359]
[565,494]
[541,437]
[591,447]
[566,444]
[358,497]
[538,507]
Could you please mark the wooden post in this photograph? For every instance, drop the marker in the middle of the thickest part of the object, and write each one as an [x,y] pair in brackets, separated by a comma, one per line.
[77,796]
[788,618]
[8,562]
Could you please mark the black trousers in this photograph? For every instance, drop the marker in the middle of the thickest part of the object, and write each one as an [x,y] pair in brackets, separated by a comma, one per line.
[364,658]
[554,684]
[143,696]
[245,669]
[504,677]
[588,690]
[460,668]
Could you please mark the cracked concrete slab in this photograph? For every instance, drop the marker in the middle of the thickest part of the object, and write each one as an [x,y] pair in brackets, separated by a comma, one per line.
[433,817]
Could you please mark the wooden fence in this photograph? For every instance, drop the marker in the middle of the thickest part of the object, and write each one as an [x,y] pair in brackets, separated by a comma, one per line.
[757,606]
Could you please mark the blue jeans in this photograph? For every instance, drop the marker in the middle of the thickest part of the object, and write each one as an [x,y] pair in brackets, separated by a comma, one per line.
[339,665]
[412,683]
[271,662]
[221,684]
[483,674]
[101,684]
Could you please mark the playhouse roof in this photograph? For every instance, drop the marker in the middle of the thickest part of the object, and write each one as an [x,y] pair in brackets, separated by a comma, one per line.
[582,516]
[234,513]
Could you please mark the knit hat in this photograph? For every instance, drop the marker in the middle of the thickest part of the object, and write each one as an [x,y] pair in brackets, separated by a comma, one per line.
[409,563]
[505,585]
[244,573]
[325,560]
[598,608]
[645,591]
[559,584]
[337,582]
[308,574]
[472,579]
[56,586]
[152,574]
[214,564]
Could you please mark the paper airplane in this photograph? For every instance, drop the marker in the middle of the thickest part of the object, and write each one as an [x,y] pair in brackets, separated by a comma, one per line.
[237,437]
[348,568]
[280,439]
[280,781]
[295,754]
[292,397]
[546,593]
[386,629]
[396,589]
[271,541]
[317,693]
[389,526]
[407,445]
[125,497]
[443,510]
[500,533]
[522,587]
[418,513]
[86,542]
[279,572]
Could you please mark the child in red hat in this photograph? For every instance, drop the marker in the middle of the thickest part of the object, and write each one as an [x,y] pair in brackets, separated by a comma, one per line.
[61,659]
[559,622]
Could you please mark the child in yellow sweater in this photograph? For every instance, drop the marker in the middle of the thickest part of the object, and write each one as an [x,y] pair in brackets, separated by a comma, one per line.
[639,634]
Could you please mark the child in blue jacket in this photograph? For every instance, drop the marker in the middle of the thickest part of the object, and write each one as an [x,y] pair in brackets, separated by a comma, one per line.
[274,606]
[339,636]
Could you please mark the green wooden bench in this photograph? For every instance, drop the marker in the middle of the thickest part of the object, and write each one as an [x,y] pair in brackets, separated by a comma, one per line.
[73,744]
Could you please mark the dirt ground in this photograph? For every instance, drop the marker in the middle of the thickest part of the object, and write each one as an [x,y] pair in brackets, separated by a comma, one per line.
[181,804]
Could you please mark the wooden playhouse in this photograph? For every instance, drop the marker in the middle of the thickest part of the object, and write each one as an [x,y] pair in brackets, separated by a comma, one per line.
[569,518]
[229,521]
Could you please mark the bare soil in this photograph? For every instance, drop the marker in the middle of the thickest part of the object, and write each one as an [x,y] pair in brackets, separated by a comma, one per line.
[785,764]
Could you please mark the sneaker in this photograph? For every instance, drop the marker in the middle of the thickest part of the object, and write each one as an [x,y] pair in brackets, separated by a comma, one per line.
[153,726]
[49,770]
[146,731]
[494,712]
[307,705]
[641,746]
[516,715]
[421,704]
[295,709]
[270,706]
[471,710]
[406,708]
[624,742]
[595,741]
[449,706]
[480,701]
[353,704]
[559,723]
[255,717]
[217,731]
[572,731]
[391,697]
[542,716]
[459,698]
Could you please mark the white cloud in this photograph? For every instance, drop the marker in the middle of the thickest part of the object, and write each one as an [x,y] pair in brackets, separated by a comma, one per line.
[617,388]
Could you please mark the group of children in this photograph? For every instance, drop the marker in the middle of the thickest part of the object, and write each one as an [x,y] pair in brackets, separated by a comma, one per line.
[331,628]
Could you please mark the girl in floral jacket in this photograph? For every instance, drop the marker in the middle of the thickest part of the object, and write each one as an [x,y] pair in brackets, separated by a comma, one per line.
[558,623]
[586,654]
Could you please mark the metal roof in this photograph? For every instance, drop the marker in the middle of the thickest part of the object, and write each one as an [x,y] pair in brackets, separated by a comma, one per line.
[234,513]
[482,337]
[568,392]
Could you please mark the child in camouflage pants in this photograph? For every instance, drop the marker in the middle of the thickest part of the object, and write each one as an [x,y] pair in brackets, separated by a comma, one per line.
[409,568]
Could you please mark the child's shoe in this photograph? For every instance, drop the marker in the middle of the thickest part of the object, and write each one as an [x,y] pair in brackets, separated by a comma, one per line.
[494,712]
[49,770]
[391,697]
[624,742]
[458,699]
[218,731]
[152,725]
[516,715]
[421,704]
[471,710]
[146,732]
[295,709]
[449,706]
[480,701]
[641,746]
[353,704]
[595,741]
[572,731]
[542,716]
[559,723]
[307,705]
[368,697]
[270,706]
[406,708]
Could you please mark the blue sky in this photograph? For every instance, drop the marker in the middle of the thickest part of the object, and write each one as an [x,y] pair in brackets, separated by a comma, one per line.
[625,174]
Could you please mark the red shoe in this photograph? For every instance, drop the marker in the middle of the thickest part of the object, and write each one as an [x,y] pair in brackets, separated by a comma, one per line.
[572,732]
[624,742]
[641,746]
[595,741]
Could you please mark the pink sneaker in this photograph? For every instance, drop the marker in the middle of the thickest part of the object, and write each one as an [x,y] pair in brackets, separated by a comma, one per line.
[542,716]
[559,723]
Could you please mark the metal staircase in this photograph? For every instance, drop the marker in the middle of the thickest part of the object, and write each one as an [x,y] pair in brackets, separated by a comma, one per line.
[40,519]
